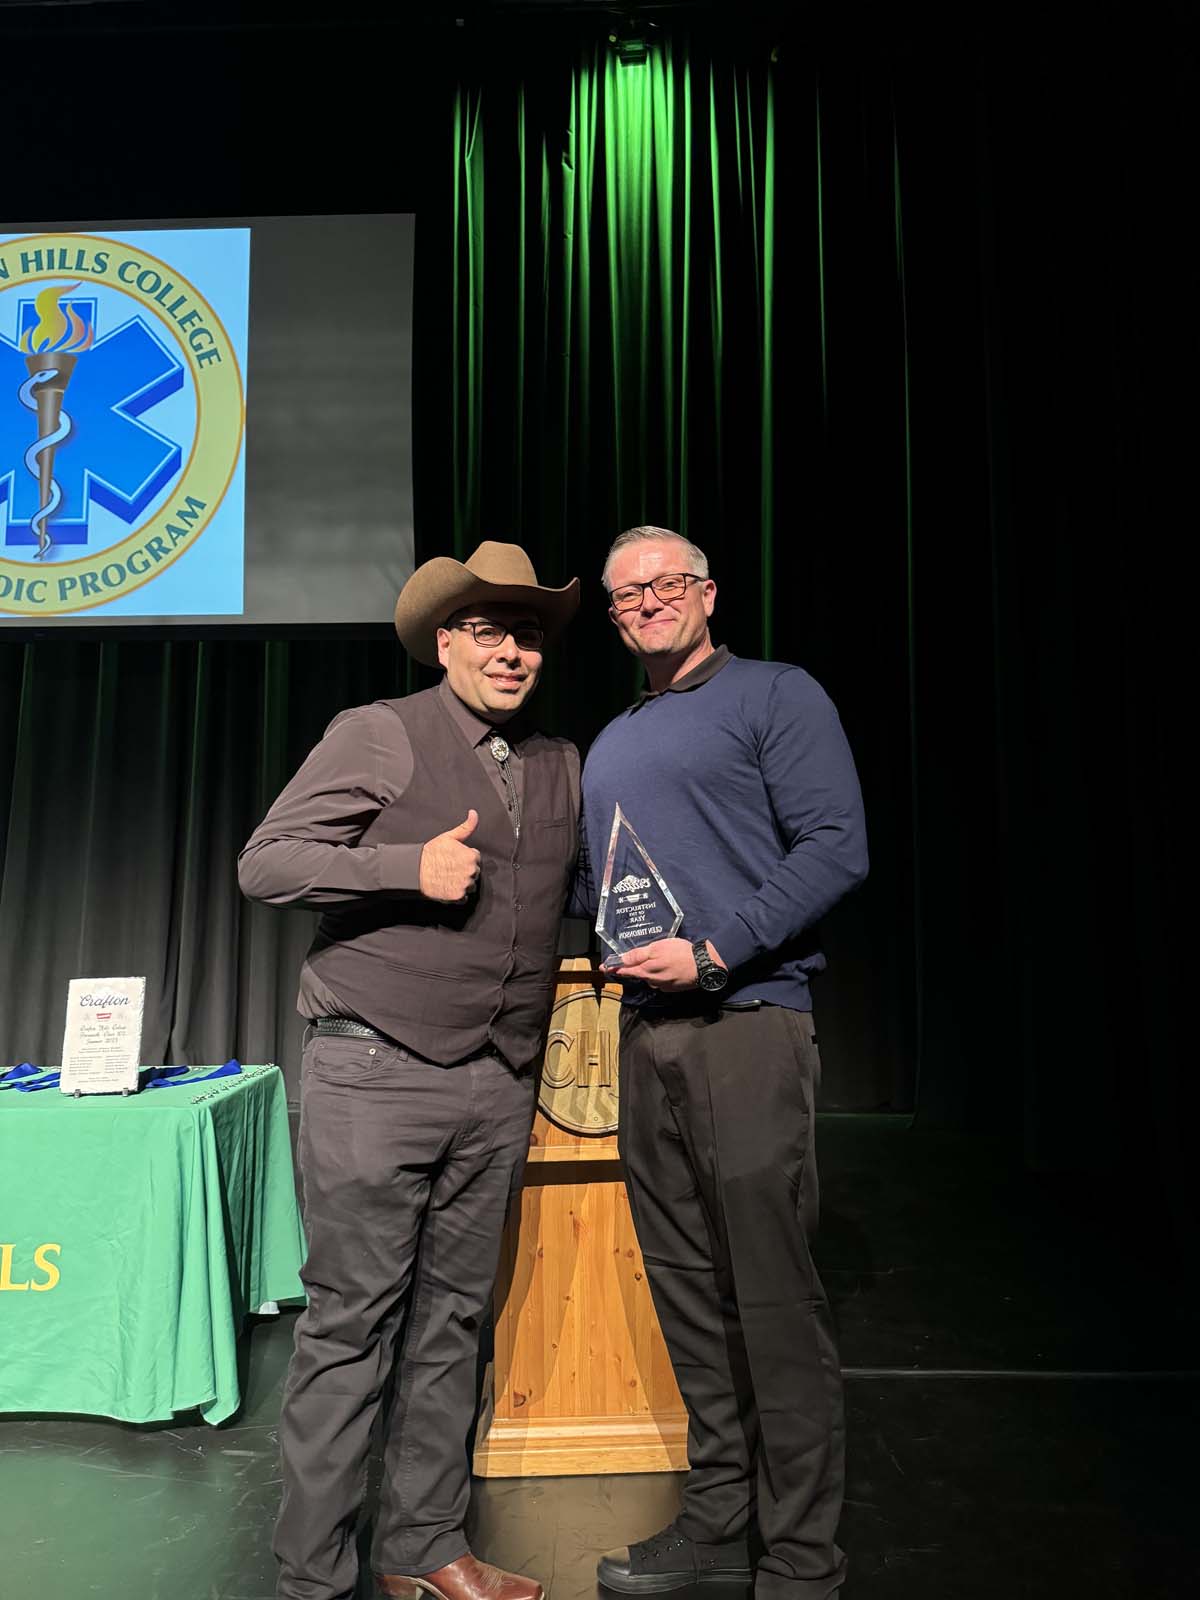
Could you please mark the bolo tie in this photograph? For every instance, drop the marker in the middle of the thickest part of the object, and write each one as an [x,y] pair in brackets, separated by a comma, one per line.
[500,754]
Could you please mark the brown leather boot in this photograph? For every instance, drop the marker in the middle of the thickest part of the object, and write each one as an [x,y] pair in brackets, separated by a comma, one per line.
[464,1579]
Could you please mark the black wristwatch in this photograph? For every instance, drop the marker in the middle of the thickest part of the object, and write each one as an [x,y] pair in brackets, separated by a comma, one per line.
[709,975]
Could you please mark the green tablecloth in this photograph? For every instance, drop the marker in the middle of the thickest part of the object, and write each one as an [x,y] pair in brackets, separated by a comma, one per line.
[173,1212]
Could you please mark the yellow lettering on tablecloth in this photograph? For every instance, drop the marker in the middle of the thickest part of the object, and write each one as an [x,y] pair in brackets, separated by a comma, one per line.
[40,1260]
[6,1255]
[48,1267]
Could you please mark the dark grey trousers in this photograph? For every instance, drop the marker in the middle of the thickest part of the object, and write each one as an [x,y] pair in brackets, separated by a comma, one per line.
[408,1169]
[717,1136]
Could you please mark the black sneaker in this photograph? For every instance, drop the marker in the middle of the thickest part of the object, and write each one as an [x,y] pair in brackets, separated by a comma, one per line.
[670,1560]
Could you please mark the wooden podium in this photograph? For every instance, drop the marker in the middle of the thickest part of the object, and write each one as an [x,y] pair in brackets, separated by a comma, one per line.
[580,1381]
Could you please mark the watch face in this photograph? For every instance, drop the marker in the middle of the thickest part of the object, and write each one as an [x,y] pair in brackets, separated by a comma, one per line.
[713,979]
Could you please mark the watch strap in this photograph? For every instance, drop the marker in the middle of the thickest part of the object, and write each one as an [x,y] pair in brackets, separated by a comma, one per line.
[706,967]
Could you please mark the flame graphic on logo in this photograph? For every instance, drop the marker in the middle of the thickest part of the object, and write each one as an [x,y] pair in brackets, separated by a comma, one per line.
[56,329]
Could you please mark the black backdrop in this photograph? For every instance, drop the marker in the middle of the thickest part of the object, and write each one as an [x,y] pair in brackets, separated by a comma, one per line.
[941,461]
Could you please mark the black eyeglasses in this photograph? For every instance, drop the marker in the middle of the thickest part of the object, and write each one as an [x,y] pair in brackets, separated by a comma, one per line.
[526,635]
[667,587]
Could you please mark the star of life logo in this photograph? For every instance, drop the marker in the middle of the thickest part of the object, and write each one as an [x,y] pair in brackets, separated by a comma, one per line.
[121,420]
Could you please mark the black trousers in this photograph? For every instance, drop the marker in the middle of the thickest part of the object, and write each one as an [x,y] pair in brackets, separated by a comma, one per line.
[408,1169]
[717,1137]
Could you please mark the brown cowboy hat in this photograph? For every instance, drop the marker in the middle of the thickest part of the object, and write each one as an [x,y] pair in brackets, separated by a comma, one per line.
[497,572]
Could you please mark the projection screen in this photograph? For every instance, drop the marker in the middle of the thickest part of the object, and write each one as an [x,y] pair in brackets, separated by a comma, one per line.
[205,422]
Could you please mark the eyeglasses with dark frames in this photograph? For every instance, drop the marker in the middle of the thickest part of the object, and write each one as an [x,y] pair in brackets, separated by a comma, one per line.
[526,635]
[668,586]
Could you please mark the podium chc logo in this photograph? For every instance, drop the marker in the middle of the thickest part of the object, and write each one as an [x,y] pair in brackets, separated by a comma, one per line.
[579,1082]
[13,1278]
[95,498]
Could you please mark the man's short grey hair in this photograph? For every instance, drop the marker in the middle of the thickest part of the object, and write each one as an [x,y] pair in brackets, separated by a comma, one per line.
[697,561]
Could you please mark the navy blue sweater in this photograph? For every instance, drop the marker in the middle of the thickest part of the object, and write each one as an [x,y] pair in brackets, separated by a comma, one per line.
[740,784]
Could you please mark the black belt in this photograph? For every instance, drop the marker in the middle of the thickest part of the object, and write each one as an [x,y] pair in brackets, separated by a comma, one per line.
[345,1025]
[691,1003]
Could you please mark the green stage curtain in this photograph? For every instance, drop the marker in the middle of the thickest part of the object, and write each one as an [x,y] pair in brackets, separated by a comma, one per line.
[610,302]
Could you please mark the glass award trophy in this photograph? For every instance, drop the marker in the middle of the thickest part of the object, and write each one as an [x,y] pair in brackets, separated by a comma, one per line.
[636,907]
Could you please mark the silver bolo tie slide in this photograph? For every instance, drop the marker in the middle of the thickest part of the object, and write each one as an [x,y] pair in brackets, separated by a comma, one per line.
[500,753]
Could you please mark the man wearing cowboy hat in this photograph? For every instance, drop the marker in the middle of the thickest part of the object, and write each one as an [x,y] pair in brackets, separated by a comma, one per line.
[435,834]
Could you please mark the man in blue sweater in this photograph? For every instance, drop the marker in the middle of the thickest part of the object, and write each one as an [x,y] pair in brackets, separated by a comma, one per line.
[737,778]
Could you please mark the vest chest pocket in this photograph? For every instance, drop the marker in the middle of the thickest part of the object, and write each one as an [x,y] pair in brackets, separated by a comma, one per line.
[549,833]
[549,841]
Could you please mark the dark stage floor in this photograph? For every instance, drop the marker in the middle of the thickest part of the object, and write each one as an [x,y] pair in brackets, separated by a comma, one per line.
[1019,1424]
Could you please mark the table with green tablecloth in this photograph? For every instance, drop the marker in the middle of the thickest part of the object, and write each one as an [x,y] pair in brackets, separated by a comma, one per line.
[135,1235]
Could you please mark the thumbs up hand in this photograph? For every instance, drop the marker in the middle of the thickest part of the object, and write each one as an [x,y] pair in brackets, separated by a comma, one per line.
[450,866]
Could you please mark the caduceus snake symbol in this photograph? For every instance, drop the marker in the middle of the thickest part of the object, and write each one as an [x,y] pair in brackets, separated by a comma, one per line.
[51,347]
[48,441]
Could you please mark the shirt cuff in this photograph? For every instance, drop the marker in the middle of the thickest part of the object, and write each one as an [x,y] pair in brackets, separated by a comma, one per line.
[733,942]
[400,868]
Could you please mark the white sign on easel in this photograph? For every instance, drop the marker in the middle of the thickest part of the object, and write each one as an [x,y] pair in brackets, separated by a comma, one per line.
[102,1047]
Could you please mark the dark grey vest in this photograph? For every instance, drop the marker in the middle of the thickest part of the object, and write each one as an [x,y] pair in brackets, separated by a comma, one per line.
[447,980]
